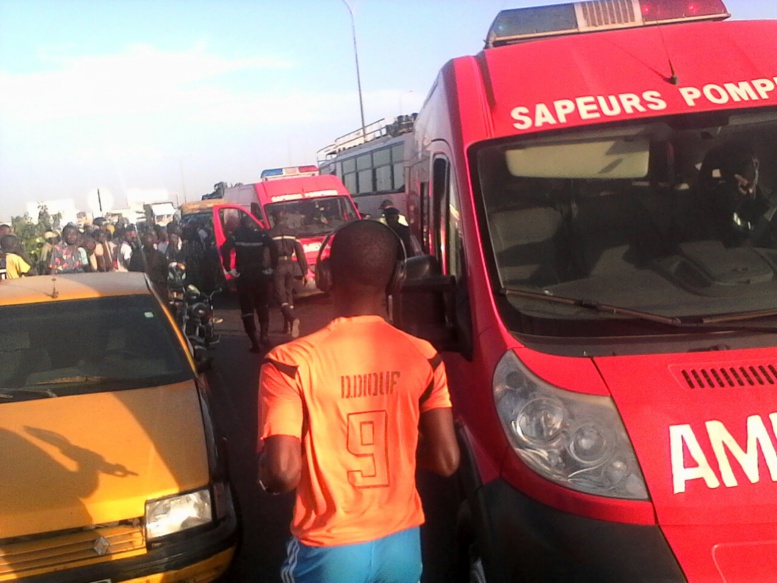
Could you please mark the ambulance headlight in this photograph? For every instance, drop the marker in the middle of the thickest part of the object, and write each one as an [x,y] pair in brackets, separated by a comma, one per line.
[575,440]
[166,516]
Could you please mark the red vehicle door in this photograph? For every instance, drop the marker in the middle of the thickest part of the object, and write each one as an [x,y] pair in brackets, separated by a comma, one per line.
[226,218]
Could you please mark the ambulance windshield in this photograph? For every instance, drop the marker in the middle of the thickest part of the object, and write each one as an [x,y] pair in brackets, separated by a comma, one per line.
[314,217]
[675,218]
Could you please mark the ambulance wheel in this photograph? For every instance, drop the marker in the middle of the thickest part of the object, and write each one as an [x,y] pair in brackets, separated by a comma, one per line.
[470,565]
[476,573]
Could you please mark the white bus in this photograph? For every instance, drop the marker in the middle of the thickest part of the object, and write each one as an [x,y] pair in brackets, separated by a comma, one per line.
[371,162]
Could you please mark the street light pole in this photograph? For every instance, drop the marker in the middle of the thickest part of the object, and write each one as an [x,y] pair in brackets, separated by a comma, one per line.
[401,95]
[358,75]
[183,184]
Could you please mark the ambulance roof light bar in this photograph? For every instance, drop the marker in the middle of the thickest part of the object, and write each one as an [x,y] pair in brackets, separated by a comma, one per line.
[289,172]
[521,24]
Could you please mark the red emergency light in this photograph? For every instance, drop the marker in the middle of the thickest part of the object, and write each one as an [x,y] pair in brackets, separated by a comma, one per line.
[667,11]
[289,172]
[522,24]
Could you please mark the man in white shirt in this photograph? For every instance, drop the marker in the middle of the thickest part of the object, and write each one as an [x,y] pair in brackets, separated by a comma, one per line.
[126,248]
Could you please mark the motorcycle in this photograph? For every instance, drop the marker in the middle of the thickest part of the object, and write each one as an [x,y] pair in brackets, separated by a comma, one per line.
[192,308]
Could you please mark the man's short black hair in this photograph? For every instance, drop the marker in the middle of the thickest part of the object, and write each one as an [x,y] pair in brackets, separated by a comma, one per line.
[8,243]
[364,253]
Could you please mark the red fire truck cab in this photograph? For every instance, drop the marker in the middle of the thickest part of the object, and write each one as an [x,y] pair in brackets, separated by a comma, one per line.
[314,204]
[595,192]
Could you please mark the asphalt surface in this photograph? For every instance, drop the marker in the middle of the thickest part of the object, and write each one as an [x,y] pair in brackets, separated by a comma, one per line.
[266,518]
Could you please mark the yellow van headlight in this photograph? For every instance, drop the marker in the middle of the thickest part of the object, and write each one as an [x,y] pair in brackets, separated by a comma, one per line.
[166,516]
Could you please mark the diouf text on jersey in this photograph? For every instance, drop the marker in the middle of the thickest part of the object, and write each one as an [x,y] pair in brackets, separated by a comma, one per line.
[371,384]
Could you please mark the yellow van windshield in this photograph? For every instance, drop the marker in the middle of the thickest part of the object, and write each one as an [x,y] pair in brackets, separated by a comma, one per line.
[83,346]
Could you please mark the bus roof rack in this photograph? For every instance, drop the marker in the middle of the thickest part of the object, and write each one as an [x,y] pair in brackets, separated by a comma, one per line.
[402,124]
[521,24]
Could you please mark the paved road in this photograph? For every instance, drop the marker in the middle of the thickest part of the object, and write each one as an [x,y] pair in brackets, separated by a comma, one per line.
[265,518]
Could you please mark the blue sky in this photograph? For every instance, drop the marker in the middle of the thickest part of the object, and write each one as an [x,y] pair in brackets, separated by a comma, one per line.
[176,95]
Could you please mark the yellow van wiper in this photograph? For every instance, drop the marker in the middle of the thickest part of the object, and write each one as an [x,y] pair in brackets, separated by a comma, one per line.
[8,392]
[75,379]
[592,305]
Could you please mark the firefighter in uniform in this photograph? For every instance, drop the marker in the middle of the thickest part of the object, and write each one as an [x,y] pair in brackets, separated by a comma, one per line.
[255,259]
[287,246]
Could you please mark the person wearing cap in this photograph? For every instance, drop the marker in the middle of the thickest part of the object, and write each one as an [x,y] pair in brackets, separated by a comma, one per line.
[391,218]
[287,271]
[255,257]
[387,204]
[50,239]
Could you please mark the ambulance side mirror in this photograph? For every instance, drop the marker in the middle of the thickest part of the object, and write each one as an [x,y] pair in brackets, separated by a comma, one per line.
[425,304]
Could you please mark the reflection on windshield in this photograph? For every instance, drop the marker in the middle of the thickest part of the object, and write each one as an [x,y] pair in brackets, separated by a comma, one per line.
[316,216]
[675,222]
[64,348]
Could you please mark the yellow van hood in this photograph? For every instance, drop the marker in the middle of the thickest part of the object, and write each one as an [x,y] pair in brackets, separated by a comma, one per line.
[69,462]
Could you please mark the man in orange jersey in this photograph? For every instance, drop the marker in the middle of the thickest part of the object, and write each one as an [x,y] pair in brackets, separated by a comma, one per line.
[346,414]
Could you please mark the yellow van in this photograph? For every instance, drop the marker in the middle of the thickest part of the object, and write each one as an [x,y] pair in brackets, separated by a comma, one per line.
[111,468]
[200,211]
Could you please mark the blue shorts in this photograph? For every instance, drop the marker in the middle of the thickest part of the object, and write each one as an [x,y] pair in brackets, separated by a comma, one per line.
[392,559]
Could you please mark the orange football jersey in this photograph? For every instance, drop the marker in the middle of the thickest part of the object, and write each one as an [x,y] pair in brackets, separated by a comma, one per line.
[353,393]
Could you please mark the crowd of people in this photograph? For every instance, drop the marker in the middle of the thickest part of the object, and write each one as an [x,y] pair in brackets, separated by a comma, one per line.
[105,247]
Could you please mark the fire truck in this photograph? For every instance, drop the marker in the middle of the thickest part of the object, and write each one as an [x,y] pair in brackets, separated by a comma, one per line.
[314,204]
[595,194]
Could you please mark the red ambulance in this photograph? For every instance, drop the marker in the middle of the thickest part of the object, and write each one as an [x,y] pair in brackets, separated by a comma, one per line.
[597,194]
[315,205]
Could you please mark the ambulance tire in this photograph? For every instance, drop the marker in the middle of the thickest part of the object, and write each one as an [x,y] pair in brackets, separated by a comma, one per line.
[470,565]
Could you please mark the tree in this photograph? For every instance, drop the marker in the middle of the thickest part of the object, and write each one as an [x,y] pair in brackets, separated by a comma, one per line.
[47,222]
[31,234]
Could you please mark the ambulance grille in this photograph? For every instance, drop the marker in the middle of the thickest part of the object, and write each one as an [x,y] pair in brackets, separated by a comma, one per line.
[754,375]
[607,13]
[28,556]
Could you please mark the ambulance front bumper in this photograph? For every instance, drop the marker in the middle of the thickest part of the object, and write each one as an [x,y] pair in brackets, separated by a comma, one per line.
[523,540]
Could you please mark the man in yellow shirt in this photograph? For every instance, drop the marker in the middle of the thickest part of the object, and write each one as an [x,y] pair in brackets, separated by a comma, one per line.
[347,414]
[12,266]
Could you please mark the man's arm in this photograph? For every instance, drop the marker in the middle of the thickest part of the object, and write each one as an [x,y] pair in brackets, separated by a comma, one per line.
[302,261]
[280,464]
[226,256]
[273,248]
[438,450]
[280,427]
[22,267]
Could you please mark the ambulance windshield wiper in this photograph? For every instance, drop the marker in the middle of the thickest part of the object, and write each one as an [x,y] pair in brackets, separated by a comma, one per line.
[592,305]
[738,317]
[722,322]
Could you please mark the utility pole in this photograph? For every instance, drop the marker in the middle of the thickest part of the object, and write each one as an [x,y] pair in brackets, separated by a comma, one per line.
[358,75]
